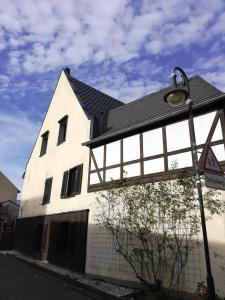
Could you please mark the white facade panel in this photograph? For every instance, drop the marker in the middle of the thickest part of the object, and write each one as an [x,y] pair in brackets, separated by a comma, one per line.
[153,142]
[178,136]
[219,152]
[183,160]
[154,166]
[202,126]
[131,148]
[99,155]
[112,174]
[94,179]
[217,135]
[132,170]
[113,153]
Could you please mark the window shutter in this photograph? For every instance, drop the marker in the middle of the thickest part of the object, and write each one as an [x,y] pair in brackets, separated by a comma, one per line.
[62,130]
[64,184]
[47,191]
[78,179]
[44,143]
[72,182]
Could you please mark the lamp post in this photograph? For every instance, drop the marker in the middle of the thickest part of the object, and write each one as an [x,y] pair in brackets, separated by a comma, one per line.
[175,97]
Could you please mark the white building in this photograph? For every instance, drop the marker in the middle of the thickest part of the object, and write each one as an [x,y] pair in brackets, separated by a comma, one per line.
[86,139]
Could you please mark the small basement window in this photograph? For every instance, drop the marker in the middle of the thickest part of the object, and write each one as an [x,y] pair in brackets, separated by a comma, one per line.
[44,143]
[62,130]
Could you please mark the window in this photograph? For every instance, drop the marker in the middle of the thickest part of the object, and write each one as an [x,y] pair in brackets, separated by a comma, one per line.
[72,181]
[47,191]
[44,143]
[62,130]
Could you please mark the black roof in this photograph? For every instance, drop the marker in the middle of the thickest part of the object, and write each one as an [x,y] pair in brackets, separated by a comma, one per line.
[152,107]
[93,102]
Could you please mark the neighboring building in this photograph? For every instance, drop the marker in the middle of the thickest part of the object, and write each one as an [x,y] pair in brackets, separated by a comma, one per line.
[9,207]
[9,210]
[8,191]
[86,139]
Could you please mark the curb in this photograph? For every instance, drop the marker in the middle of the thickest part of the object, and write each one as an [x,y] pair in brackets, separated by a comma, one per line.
[87,289]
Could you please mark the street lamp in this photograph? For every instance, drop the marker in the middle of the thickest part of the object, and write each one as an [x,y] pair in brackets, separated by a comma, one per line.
[178,94]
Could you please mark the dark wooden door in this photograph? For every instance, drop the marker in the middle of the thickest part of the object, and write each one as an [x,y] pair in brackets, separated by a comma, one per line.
[67,244]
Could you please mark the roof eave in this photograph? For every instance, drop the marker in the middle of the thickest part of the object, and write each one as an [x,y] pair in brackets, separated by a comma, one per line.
[102,139]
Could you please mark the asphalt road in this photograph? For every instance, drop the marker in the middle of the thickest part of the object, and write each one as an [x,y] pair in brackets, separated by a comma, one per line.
[19,281]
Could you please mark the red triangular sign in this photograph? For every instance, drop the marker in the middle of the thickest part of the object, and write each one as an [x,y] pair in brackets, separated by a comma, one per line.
[210,162]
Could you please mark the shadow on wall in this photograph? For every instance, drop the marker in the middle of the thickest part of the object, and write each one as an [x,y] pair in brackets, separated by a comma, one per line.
[60,238]
[32,206]
[29,230]
[104,261]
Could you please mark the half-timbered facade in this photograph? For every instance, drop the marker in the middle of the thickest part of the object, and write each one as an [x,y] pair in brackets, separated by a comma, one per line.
[90,142]
[150,154]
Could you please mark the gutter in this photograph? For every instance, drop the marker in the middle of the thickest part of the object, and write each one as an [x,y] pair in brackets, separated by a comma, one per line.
[149,122]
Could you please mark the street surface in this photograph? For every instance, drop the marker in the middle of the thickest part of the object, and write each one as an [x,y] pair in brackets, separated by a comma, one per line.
[19,281]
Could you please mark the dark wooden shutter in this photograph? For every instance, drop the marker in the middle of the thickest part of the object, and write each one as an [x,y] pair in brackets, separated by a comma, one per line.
[62,130]
[47,191]
[44,143]
[64,184]
[78,183]
[72,182]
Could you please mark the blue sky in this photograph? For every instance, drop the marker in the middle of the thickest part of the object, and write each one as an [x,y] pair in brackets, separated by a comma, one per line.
[124,48]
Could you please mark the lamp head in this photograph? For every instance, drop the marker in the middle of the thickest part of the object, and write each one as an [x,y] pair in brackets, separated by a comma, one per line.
[176,96]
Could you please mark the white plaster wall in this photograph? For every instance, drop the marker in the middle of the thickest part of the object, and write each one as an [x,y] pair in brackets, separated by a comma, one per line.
[58,158]
[103,260]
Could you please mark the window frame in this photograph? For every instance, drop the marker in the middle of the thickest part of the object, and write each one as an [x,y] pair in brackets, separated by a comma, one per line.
[63,123]
[72,183]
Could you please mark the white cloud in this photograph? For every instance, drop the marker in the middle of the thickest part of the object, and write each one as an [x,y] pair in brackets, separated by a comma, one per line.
[42,35]
[216,78]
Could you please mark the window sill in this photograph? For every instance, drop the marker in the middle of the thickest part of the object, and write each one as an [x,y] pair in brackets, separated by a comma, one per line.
[70,196]
[45,203]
